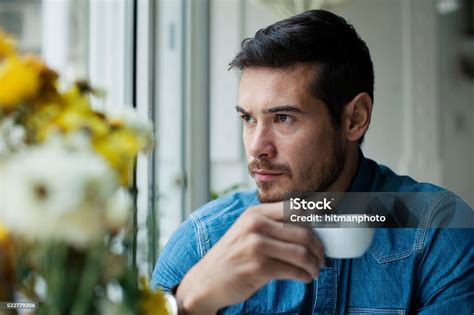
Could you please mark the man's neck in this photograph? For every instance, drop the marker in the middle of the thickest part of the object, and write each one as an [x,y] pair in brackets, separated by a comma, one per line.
[351,166]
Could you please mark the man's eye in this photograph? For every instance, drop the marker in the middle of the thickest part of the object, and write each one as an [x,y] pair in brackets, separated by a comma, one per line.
[283,118]
[247,118]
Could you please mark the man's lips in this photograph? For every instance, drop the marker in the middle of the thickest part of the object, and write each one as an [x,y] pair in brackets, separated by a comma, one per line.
[265,176]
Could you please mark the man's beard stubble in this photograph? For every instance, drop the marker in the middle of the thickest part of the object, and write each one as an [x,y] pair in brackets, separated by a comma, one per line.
[315,178]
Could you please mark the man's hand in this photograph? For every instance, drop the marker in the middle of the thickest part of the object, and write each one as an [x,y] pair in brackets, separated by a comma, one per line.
[255,250]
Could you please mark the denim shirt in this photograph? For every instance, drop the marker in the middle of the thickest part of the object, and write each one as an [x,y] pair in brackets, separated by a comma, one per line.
[405,270]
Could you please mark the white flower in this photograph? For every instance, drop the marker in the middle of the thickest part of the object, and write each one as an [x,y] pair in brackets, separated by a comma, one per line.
[107,307]
[51,191]
[130,117]
[118,210]
[12,136]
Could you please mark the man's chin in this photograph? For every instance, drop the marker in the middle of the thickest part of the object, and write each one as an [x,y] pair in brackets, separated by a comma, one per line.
[266,196]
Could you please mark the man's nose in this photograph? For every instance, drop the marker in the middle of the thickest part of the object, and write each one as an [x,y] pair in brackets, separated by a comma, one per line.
[261,144]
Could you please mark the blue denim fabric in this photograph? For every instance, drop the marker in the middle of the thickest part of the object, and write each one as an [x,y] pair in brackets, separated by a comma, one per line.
[405,271]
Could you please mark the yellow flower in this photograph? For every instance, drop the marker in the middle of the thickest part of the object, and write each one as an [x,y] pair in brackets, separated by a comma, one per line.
[47,89]
[42,122]
[7,272]
[7,45]
[70,114]
[73,119]
[119,148]
[74,99]
[152,302]
[3,233]
[79,115]
[18,82]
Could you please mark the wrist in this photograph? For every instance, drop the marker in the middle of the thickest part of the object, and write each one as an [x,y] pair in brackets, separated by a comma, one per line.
[193,302]
[174,305]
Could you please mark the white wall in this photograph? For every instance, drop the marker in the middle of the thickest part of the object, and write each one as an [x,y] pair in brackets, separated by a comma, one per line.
[456,95]
[378,23]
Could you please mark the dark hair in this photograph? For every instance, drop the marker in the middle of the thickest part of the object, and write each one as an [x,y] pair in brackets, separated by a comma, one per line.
[343,64]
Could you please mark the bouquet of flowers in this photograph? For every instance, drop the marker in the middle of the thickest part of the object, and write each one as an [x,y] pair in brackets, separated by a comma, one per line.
[64,203]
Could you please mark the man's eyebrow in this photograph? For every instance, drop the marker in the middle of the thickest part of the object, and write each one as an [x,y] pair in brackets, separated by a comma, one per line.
[284,108]
[241,110]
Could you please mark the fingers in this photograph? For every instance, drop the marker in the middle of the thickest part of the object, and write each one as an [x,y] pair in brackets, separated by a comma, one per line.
[273,211]
[261,225]
[298,235]
[288,253]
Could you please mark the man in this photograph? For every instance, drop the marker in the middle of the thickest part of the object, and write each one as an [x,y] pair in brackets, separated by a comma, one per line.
[305,99]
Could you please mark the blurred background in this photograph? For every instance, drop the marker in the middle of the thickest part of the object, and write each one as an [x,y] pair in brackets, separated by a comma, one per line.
[170,58]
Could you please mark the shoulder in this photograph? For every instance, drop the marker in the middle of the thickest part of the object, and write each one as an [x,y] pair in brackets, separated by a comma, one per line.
[425,206]
[214,218]
[433,205]
[221,212]
[226,207]
[177,257]
[387,180]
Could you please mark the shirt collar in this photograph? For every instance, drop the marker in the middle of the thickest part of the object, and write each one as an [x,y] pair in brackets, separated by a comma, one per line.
[363,180]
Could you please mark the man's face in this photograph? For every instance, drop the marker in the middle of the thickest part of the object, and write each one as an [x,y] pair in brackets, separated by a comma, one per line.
[290,140]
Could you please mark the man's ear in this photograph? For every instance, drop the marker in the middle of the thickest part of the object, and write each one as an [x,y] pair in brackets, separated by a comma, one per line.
[356,116]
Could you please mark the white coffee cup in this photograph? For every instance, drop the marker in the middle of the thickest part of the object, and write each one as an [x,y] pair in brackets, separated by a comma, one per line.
[345,241]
